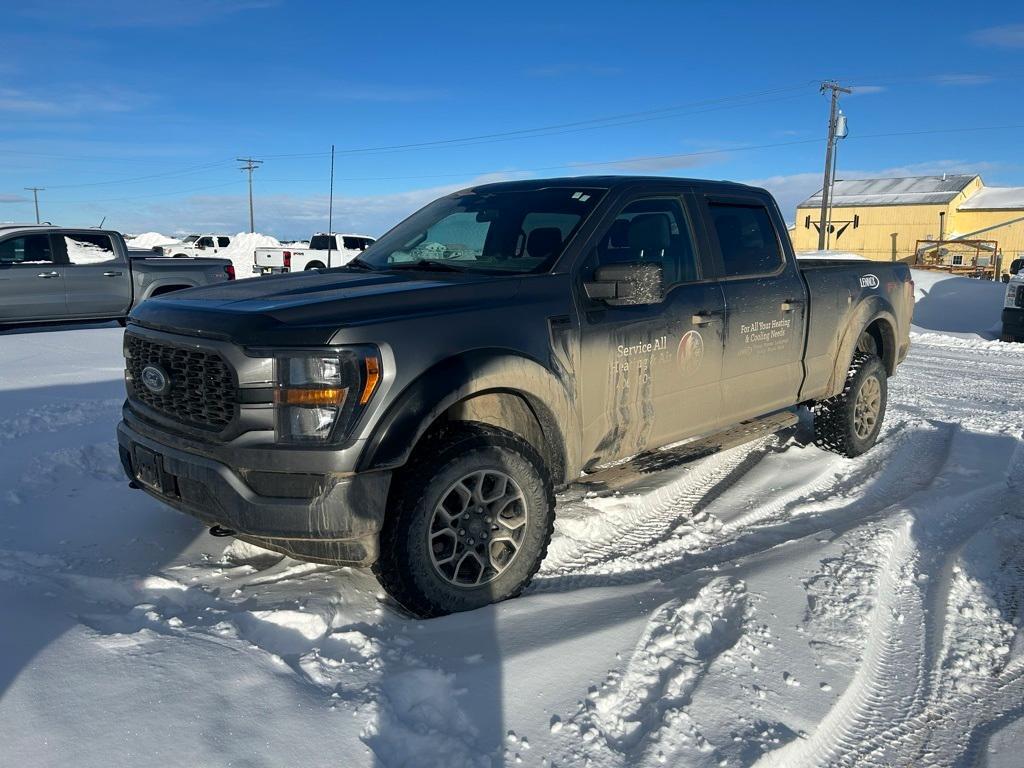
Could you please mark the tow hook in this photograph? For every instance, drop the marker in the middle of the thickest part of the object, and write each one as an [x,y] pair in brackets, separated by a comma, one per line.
[221,532]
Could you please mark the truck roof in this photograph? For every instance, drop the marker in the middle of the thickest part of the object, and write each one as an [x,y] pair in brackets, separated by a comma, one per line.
[6,228]
[612,182]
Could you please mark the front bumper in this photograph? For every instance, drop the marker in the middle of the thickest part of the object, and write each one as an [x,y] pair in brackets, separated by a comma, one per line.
[1013,321]
[338,522]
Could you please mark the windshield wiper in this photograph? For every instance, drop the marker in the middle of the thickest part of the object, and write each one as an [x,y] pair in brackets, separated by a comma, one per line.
[360,264]
[428,265]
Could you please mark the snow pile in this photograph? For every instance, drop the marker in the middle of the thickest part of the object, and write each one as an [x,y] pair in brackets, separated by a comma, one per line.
[241,248]
[148,240]
[957,306]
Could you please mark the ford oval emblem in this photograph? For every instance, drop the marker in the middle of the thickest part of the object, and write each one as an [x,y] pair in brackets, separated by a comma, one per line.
[155,379]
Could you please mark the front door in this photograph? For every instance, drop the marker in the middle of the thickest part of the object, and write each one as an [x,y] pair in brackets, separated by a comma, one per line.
[31,280]
[98,278]
[650,373]
[765,304]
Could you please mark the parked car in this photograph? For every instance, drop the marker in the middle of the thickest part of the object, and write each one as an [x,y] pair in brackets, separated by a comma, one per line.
[1013,304]
[323,251]
[416,410]
[52,273]
[198,245]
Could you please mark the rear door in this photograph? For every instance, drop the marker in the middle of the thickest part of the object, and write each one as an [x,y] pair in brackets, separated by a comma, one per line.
[98,279]
[650,374]
[31,279]
[765,306]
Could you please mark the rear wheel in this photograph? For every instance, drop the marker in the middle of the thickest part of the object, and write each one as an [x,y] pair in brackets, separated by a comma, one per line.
[849,423]
[468,522]
[314,265]
[1009,337]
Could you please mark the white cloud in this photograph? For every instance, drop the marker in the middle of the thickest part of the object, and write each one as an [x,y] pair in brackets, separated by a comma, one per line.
[866,90]
[1004,36]
[284,216]
[70,102]
[131,13]
[963,79]
[13,198]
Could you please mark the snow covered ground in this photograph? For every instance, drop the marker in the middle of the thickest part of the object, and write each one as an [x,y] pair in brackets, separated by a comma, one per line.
[772,605]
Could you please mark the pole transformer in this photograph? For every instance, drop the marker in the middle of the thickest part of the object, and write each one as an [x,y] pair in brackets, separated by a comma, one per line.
[830,145]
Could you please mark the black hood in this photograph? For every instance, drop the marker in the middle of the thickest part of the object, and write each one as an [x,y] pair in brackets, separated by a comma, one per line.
[310,307]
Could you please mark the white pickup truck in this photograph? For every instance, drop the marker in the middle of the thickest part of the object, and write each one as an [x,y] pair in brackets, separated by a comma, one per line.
[198,245]
[323,251]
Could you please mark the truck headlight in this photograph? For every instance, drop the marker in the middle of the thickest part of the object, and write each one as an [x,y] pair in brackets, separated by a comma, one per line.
[320,394]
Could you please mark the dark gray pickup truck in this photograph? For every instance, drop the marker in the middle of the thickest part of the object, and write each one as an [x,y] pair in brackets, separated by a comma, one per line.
[416,410]
[50,274]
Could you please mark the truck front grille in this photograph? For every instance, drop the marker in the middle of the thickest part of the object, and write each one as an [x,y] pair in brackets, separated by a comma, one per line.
[200,392]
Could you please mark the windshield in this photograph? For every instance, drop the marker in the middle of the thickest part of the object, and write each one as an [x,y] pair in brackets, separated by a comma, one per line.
[190,239]
[515,231]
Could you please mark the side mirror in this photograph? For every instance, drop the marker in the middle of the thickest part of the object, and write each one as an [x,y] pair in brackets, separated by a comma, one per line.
[627,284]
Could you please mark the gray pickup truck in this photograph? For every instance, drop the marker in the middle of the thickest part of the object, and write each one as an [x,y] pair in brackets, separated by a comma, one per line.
[50,274]
[416,409]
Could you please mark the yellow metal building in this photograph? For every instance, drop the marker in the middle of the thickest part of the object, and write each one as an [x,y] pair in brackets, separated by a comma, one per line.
[885,220]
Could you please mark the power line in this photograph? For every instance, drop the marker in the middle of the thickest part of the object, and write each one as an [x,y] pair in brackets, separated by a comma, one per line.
[250,165]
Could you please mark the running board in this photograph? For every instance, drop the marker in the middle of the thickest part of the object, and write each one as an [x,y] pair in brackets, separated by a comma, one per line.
[643,465]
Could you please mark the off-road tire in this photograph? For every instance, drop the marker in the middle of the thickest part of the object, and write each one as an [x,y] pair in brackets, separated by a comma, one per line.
[835,418]
[405,567]
[1009,337]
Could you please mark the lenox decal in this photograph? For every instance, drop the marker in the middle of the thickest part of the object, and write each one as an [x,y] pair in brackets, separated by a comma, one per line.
[868,281]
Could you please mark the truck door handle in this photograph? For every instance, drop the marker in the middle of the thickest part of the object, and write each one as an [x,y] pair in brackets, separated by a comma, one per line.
[706,317]
[48,274]
[112,274]
[791,304]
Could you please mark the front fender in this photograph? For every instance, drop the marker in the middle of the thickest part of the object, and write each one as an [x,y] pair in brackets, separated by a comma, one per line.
[474,373]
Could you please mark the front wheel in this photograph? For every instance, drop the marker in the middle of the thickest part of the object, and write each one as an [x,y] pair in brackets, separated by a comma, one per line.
[468,521]
[1009,337]
[849,423]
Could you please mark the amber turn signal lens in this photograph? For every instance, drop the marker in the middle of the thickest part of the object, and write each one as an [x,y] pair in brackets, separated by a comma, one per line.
[372,379]
[314,397]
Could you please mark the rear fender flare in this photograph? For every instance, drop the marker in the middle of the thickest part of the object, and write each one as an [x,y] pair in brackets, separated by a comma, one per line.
[465,376]
[872,309]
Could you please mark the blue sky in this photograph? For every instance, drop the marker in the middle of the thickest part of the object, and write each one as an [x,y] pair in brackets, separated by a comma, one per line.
[135,111]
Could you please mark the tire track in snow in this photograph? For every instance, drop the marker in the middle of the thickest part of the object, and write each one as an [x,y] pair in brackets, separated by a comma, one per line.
[648,519]
[902,706]
[638,715]
[916,457]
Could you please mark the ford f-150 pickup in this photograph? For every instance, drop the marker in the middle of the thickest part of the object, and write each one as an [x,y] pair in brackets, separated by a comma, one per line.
[52,273]
[415,410]
[323,251]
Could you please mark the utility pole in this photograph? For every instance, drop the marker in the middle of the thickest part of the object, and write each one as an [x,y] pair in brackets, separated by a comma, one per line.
[330,214]
[830,85]
[35,196]
[250,165]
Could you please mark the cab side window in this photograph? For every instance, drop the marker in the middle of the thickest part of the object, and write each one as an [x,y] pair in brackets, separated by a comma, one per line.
[88,248]
[30,249]
[652,230]
[747,238]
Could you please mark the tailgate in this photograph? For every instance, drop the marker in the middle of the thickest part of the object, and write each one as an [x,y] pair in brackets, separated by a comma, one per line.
[269,257]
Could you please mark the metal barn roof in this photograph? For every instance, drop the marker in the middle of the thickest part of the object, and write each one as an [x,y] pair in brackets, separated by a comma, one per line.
[995,199]
[912,190]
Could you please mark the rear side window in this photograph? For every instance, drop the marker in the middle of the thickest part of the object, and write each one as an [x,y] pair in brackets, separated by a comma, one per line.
[747,238]
[31,249]
[89,248]
[223,242]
